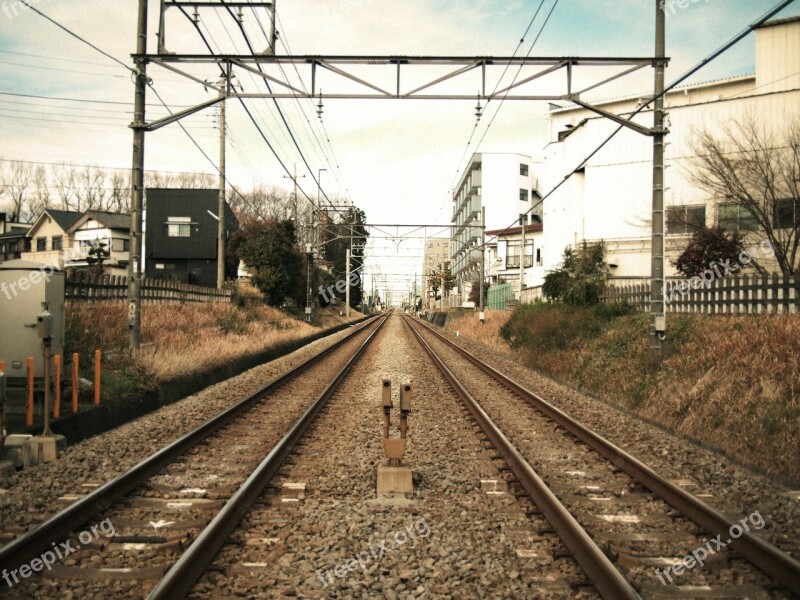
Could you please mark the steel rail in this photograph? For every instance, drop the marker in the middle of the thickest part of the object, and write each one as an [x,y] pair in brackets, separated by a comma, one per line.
[608,581]
[62,524]
[182,576]
[767,557]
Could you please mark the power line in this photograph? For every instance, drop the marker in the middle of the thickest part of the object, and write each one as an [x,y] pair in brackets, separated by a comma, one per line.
[505,70]
[708,59]
[75,35]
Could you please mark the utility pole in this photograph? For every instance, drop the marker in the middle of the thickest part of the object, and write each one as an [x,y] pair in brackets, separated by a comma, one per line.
[296,218]
[137,185]
[347,287]
[222,186]
[481,315]
[522,264]
[657,309]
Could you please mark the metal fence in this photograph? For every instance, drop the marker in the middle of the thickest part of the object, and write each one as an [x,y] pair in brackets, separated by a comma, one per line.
[81,286]
[499,295]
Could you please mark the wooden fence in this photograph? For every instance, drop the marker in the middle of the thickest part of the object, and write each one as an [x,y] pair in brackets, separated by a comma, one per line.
[748,294]
[82,287]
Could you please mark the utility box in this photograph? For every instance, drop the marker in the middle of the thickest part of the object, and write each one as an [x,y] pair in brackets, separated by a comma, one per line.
[27,290]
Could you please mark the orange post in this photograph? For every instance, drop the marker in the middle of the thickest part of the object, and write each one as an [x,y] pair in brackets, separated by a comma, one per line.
[75,382]
[97,377]
[29,412]
[2,366]
[57,400]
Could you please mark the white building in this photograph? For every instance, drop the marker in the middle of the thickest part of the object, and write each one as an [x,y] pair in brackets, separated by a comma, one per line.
[503,184]
[111,230]
[611,197]
[504,256]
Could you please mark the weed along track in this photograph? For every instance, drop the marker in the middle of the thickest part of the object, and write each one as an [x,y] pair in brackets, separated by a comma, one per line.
[312,487]
[617,515]
[152,513]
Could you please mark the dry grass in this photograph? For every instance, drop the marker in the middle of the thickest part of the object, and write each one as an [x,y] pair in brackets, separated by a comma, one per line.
[488,334]
[730,382]
[735,385]
[180,339]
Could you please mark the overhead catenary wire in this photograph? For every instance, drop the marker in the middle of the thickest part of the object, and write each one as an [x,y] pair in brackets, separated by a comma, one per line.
[496,87]
[705,61]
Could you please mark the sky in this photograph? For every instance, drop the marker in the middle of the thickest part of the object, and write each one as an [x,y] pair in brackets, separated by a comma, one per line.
[397,160]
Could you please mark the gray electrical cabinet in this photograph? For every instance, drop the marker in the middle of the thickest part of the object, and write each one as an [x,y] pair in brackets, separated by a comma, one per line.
[27,289]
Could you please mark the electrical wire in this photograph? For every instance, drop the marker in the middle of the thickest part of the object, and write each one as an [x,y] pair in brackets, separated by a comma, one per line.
[496,87]
[705,61]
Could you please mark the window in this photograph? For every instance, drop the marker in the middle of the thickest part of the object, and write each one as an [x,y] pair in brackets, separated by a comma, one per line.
[41,244]
[58,242]
[120,245]
[512,255]
[685,220]
[736,217]
[523,170]
[523,195]
[538,257]
[523,219]
[178,227]
[786,214]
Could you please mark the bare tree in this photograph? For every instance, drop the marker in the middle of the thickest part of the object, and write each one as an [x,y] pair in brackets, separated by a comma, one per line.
[264,203]
[120,199]
[39,198]
[94,192]
[19,178]
[758,169]
[63,179]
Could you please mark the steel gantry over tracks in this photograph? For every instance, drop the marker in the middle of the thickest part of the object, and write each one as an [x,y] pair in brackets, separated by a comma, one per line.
[405,77]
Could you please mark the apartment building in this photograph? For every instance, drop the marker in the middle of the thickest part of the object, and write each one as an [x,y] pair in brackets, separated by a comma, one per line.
[505,186]
[611,197]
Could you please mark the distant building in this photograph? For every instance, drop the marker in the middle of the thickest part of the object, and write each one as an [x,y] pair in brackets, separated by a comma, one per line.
[13,239]
[504,256]
[611,197]
[49,239]
[504,184]
[436,259]
[181,236]
[112,230]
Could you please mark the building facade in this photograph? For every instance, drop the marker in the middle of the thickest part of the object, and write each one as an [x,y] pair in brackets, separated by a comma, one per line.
[436,260]
[48,238]
[181,236]
[504,256]
[610,198]
[109,230]
[506,187]
[13,239]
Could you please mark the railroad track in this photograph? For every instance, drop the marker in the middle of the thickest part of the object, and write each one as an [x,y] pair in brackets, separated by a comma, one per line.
[174,510]
[625,525]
